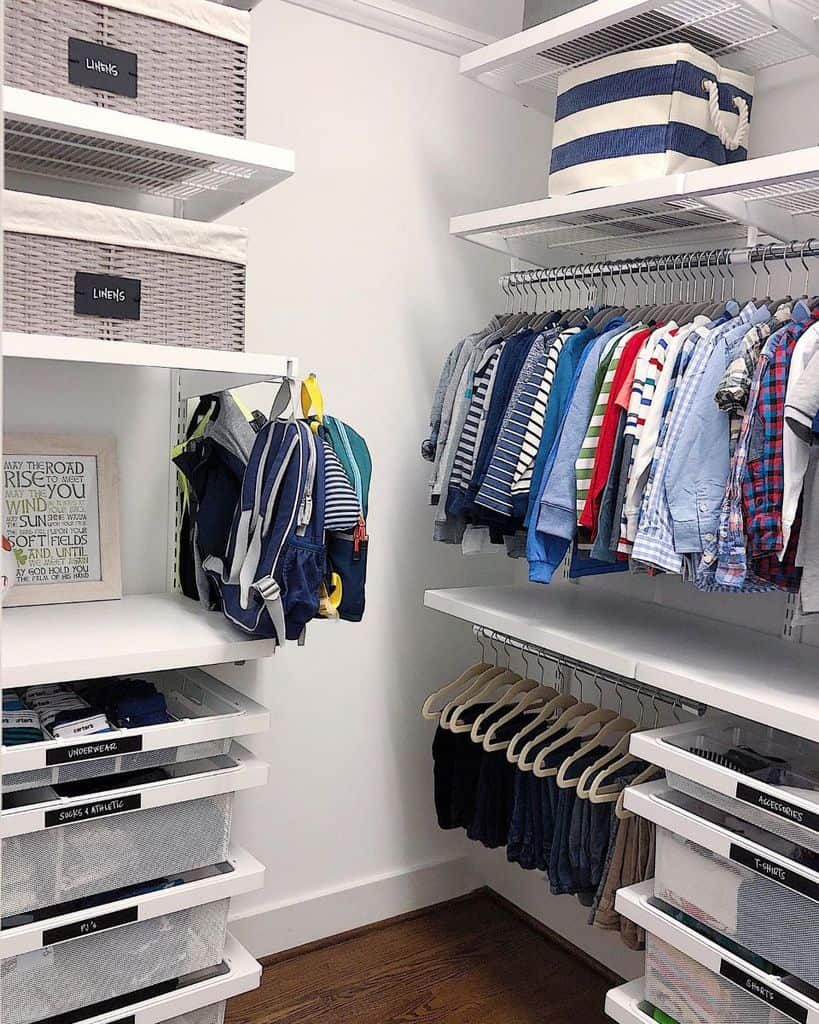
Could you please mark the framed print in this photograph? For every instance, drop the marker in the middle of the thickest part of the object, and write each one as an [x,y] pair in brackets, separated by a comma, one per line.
[62,518]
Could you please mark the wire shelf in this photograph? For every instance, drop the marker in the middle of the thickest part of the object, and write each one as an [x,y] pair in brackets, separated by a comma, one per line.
[74,150]
[749,35]
[779,196]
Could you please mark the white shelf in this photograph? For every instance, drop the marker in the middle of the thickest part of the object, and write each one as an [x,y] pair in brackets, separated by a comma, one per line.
[634,903]
[624,1004]
[202,371]
[778,195]
[79,151]
[144,633]
[727,667]
[242,974]
[749,35]
[194,889]
[202,709]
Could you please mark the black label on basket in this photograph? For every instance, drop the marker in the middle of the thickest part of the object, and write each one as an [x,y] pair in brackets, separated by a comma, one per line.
[118,298]
[776,872]
[764,992]
[90,926]
[102,68]
[91,751]
[97,809]
[781,808]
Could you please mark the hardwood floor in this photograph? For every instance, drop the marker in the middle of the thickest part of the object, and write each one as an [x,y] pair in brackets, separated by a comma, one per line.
[467,962]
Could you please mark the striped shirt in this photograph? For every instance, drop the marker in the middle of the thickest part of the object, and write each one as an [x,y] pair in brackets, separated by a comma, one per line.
[341,506]
[533,415]
[585,459]
[470,438]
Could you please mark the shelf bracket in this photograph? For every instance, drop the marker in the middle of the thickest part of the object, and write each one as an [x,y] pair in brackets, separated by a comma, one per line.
[753,213]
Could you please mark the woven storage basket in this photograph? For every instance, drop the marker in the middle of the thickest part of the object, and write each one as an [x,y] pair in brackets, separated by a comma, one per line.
[190,57]
[190,276]
[70,975]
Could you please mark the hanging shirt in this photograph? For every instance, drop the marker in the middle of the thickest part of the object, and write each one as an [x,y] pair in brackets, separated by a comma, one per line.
[608,429]
[795,453]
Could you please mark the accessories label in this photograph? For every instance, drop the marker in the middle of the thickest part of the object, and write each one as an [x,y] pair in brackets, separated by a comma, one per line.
[764,992]
[90,926]
[781,808]
[91,751]
[103,295]
[97,809]
[102,68]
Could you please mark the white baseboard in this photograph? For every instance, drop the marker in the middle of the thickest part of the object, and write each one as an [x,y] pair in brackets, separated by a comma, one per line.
[280,926]
[406,22]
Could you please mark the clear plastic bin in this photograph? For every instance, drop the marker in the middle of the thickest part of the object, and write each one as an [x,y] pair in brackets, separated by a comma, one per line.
[72,974]
[691,994]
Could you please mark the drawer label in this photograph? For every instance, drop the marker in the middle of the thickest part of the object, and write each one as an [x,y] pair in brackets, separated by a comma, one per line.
[764,992]
[781,808]
[97,809]
[102,68]
[118,298]
[91,751]
[776,872]
[90,926]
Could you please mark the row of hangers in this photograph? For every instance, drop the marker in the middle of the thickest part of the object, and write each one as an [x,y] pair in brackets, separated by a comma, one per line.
[664,288]
[550,715]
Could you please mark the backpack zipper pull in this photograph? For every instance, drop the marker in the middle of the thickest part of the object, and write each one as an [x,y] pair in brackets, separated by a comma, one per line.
[359,537]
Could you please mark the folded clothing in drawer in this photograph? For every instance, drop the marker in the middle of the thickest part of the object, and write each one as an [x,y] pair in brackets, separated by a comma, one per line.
[77,840]
[689,993]
[765,904]
[69,975]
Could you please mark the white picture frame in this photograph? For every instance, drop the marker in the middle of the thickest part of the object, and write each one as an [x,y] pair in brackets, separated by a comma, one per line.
[61,515]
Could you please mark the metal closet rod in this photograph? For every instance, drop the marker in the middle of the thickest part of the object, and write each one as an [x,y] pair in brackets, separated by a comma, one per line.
[708,259]
[600,675]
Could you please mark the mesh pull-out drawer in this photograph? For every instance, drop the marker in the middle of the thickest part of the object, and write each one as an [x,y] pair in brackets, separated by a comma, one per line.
[189,70]
[59,774]
[73,974]
[691,994]
[57,865]
[765,917]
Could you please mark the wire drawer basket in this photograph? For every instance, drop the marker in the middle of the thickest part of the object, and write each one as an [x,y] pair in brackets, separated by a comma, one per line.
[79,270]
[57,865]
[183,62]
[69,975]
[763,916]
[691,994]
[213,1014]
[60,774]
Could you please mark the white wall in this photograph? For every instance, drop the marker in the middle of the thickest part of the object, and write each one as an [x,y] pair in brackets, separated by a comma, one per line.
[351,268]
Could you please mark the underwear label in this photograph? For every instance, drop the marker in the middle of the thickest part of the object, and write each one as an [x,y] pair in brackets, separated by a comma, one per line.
[97,809]
[776,872]
[781,808]
[102,68]
[116,298]
[91,751]
[764,992]
[90,926]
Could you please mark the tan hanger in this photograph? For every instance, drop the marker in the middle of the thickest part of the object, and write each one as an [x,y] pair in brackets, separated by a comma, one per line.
[539,697]
[620,809]
[494,689]
[516,695]
[581,726]
[591,785]
[478,685]
[619,724]
[514,753]
[455,687]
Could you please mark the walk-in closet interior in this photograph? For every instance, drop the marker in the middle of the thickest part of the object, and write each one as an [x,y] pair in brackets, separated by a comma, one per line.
[395,628]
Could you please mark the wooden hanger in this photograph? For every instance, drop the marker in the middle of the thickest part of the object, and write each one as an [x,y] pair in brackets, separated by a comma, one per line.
[455,687]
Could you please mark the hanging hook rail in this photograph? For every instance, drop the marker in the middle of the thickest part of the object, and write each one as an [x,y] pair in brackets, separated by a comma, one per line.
[485,634]
[594,273]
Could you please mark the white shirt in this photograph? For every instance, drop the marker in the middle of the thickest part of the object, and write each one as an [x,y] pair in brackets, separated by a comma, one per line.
[796,452]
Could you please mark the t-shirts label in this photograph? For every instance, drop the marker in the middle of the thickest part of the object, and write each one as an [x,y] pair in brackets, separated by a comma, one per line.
[91,751]
[90,926]
[764,992]
[97,809]
[781,808]
[117,298]
[102,68]
[776,872]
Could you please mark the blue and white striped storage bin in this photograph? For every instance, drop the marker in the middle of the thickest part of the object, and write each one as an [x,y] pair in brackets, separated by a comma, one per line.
[645,114]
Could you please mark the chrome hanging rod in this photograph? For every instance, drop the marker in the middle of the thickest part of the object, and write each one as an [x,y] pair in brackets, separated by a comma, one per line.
[713,259]
[601,675]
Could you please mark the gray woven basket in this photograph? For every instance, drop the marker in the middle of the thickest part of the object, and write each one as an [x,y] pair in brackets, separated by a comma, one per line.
[186,77]
[186,300]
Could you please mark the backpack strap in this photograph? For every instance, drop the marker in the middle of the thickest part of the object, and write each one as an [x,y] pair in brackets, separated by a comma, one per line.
[312,402]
